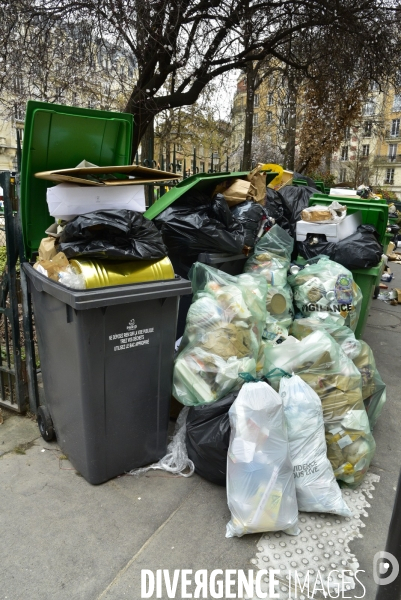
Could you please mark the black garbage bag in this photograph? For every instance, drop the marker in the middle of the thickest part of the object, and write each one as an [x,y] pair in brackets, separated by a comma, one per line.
[277,209]
[250,214]
[208,438]
[195,224]
[316,245]
[361,250]
[114,235]
[295,199]
[220,210]
[305,178]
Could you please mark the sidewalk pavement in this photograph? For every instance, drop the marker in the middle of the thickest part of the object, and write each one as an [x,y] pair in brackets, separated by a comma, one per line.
[63,539]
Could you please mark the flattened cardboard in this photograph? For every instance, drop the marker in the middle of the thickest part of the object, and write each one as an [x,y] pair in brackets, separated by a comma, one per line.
[78,175]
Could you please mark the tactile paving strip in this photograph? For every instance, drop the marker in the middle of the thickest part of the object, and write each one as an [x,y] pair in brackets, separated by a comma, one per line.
[322,546]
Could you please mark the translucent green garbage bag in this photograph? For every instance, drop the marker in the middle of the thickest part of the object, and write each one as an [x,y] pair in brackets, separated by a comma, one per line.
[222,337]
[373,387]
[323,365]
[271,259]
[326,286]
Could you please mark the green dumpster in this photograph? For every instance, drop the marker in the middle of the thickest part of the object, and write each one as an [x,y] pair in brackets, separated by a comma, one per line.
[201,182]
[366,279]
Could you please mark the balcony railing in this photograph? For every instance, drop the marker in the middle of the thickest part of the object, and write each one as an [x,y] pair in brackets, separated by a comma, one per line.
[386,159]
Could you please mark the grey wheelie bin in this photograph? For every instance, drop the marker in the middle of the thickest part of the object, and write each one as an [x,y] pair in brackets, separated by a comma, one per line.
[106,356]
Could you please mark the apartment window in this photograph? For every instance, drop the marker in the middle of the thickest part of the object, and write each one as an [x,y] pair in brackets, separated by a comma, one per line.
[344,153]
[389,177]
[178,147]
[202,167]
[347,133]
[269,116]
[256,100]
[397,103]
[368,128]
[365,150]
[395,128]
[365,175]
[368,108]
[256,119]
[179,166]
[392,151]
[270,99]
[343,175]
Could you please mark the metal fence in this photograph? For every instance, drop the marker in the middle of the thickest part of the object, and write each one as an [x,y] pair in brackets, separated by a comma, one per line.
[13,317]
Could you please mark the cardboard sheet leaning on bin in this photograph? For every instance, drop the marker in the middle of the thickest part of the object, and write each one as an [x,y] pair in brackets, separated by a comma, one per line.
[373,387]
[323,365]
[222,335]
[112,175]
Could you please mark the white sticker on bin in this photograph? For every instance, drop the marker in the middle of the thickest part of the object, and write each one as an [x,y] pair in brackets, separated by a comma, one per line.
[131,339]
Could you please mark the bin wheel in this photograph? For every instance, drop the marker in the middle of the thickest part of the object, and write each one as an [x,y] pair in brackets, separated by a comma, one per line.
[376,292]
[45,424]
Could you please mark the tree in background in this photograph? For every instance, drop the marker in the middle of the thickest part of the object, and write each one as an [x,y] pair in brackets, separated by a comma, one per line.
[194,40]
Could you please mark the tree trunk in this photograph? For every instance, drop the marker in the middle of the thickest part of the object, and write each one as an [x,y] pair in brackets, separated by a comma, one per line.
[289,155]
[248,133]
[147,157]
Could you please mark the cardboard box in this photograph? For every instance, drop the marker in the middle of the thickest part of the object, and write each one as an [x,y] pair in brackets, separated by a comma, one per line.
[108,176]
[334,232]
[66,200]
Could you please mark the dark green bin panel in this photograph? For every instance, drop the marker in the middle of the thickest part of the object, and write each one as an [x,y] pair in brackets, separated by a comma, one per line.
[373,213]
[60,137]
[202,182]
[366,279]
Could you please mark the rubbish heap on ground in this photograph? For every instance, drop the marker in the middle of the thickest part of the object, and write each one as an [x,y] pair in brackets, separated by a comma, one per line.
[283,397]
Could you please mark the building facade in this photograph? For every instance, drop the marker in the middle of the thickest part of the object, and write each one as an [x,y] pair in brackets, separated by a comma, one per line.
[370,152]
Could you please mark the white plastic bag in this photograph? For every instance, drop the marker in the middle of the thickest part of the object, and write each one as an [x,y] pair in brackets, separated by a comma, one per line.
[176,460]
[316,487]
[260,484]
